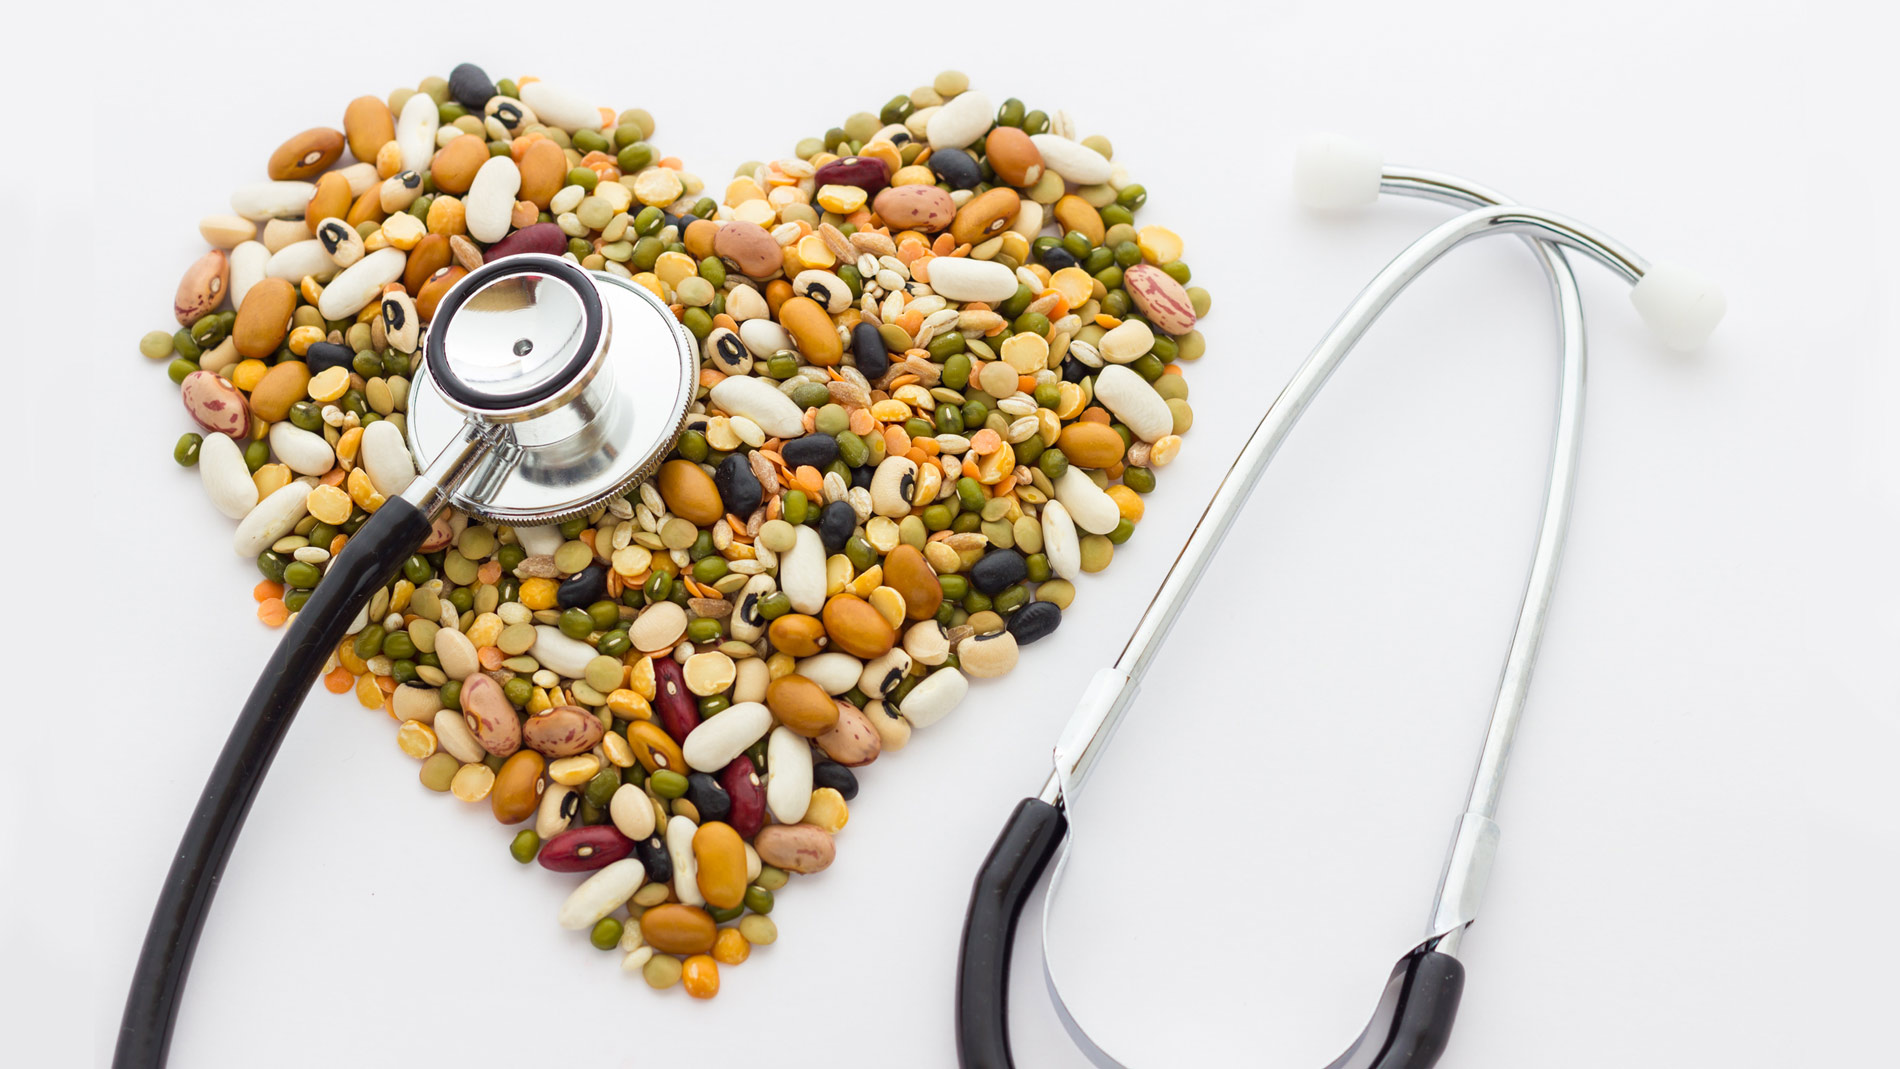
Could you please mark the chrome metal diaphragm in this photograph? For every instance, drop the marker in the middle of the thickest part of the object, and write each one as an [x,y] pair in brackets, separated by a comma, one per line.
[581,380]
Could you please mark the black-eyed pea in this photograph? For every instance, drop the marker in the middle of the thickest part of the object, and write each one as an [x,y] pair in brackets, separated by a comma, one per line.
[401,327]
[558,808]
[893,731]
[883,674]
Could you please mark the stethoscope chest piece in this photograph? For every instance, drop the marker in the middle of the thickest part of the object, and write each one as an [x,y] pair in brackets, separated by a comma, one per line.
[582,378]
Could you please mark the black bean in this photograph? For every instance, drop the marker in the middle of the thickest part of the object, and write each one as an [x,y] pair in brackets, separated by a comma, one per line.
[1038,619]
[868,346]
[708,797]
[1074,370]
[817,450]
[836,524]
[470,86]
[956,167]
[324,355]
[1055,258]
[583,588]
[836,776]
[861,477]
[653,856]
[738,487]
[998,570]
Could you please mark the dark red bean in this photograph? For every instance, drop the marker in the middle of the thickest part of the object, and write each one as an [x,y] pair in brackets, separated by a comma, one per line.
[742,785]
[585,849]
[678,709]
[865,172]
[541,237]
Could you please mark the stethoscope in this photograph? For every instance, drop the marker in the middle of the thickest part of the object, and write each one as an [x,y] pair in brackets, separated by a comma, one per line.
[1412,1021]
[545,389]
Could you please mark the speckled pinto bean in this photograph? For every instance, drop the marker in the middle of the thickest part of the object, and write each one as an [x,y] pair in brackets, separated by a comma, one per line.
[801,848]
[490,716]
[562,731]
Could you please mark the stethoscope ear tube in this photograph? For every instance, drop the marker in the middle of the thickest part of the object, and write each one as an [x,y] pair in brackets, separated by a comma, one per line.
[367,561]
[1022,851]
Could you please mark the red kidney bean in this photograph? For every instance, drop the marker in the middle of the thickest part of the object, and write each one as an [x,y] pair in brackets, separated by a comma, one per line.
[865,172]
[678,709]
[585,849]
[742,785]
[541,237]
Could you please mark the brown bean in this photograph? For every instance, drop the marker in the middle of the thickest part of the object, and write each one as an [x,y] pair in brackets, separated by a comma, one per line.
[306,155]
[517,790]
[1092,445]
[720,855]
[367,208]
[653,748]
[368,126]
[985,215]
[699,238]
[858,629]
[801,705]
[906,572]
[282,386]
[455,164]
[430,255]
[811,327]
[264,318]
[543,172]
[797,634]
[330,200]
[678,929]
[690,492]
[1079,215]
[438,286]
[1013,156]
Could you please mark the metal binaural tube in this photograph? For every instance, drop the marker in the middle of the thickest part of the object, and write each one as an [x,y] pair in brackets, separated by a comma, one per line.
[1109,696]
[1103,708]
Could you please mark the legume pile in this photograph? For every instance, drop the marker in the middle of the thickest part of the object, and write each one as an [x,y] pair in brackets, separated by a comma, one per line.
[939,374]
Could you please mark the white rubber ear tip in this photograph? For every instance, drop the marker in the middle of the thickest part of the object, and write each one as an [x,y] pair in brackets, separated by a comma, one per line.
[1332,173]
[1680,305]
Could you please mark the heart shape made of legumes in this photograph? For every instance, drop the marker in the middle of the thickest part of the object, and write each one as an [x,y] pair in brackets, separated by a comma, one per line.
[939,372]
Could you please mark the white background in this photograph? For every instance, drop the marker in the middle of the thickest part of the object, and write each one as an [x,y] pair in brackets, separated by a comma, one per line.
[1699,833]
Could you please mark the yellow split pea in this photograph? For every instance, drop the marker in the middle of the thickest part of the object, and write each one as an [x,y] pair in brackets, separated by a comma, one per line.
[329,505]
